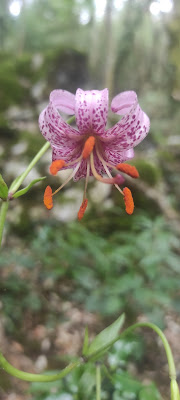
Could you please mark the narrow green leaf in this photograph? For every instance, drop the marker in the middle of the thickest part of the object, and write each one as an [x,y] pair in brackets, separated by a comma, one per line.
[25,190]
[104,339]
[14,182]
[86,341]
[3,189]
[149,392]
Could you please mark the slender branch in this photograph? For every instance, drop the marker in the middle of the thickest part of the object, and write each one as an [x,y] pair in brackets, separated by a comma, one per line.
[34,161]
[3,212]
[172,368]
[98,382]
[25,376]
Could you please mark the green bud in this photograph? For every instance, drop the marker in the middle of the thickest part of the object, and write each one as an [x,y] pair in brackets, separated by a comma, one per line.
[174,390]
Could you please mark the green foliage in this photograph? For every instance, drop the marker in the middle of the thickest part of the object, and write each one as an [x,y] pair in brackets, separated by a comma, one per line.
[134,271]
[104,339]
[18,297]
[117,382]
[26,189]
[3,188]
[148,172]
[116,263]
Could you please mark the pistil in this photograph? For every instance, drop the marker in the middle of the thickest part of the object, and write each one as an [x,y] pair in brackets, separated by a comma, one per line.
[111,180]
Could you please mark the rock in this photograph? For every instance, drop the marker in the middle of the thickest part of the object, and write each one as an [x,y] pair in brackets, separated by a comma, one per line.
[41,363]
[15,113]
[99,192]
[19,148]
[37,90]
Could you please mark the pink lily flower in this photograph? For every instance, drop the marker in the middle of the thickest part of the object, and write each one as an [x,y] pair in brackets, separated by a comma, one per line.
[91,150]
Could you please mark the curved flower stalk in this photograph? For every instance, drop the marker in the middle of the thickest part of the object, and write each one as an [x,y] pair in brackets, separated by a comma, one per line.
[94,352]
[91,150]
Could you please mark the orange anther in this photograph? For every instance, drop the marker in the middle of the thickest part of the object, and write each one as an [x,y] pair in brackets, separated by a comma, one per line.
[128,169]
[82,209]
[56,166]
[128,199]
[88,147]
[48,202]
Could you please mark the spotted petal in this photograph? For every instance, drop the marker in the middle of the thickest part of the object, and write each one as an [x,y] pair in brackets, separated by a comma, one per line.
[91,108]
[132,128]
[53,127]
[116,156]
[63,100]
[123,102]
[68,153]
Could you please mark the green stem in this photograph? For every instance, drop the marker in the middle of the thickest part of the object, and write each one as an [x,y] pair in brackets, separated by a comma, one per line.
[172,368]
[34,161]
[98,382]
[25,376]
[3,212]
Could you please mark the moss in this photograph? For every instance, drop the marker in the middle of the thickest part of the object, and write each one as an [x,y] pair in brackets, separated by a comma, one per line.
[148,172]
[166,155]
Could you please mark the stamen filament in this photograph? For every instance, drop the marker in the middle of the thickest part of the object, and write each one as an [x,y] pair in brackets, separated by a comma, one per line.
[128,169]
[68,179]
[104,163]
[97,176]
[75,161]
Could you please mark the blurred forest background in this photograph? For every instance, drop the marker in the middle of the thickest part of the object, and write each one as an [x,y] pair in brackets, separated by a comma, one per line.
[58,275]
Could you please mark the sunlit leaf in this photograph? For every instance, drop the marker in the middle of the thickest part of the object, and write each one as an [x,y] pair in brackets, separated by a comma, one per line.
[25,190]
[106,337]
[149,393]
[3,189]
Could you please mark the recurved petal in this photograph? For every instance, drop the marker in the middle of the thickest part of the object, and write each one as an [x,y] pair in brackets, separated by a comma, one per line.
[91,108]
[67,153]
[63,100]
[54,128]
[130,130]
[123,102]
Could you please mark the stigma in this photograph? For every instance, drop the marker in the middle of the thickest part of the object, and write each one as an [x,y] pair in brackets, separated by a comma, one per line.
[91,152]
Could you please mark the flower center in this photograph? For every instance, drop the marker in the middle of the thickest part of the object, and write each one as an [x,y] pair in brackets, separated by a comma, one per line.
[91,153]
